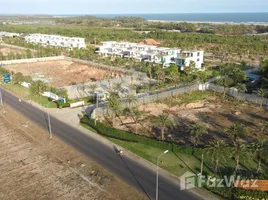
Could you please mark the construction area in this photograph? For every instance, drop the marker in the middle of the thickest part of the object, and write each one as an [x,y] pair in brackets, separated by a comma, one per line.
[59,73]
[34,167]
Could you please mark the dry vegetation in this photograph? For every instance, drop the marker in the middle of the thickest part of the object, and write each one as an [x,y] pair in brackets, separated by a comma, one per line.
[62,72]
[210,110]
[6,50]
[34,167]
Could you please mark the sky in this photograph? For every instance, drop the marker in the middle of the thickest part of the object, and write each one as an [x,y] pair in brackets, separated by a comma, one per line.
[62,7]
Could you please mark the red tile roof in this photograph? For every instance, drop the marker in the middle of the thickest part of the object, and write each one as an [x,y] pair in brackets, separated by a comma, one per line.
[150,42]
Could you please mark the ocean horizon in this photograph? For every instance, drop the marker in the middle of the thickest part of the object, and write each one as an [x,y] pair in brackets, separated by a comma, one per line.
[248,18]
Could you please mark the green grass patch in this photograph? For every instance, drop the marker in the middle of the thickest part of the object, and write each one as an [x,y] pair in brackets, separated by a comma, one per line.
[25,93]
[195,96]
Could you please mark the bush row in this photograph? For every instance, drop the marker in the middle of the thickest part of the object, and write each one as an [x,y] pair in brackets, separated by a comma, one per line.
[109,131]
[238,193]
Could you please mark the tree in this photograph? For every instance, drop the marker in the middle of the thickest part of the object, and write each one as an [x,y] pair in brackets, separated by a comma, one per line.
[118,86]
[202,77]
[163,121]
[264,128]
[17,78]
[262,93]
[236,131]
[131,98]
[217,150]
[114,105]
[137,115]
[93,88]
[38,87]
[259,149]
[197,130]
[226,82]
[239,149]
[237,75]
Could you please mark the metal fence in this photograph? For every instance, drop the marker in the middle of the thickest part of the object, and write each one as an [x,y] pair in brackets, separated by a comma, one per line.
[31,60]
[160,95]
[252,98]
[150,98]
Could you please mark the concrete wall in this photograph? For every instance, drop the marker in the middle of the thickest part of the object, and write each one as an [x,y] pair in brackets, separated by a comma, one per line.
[146,99]
[31,60]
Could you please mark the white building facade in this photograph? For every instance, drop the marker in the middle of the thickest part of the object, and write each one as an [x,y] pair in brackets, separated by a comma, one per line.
[56,40]
[188,57]
[149,53]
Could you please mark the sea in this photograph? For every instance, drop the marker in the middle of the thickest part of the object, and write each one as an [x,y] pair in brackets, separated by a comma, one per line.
[248,18]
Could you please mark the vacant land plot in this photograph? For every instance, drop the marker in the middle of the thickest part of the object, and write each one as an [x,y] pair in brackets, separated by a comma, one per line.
[6,50]
[62,72]
[208,109]
[34,167]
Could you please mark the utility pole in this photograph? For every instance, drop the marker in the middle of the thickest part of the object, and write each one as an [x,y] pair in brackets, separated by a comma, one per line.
[1,97]
[97,106]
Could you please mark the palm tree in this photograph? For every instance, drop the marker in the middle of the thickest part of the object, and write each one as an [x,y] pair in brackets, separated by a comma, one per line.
[197,130]
[217,151]
[262,93]
[239,149]
[260,149]
[131,98]
[226,82]
[236,131]
[118,86]
[163,121]
[93,88]
[114,105]
[38,87]
[137,115]
[202,77]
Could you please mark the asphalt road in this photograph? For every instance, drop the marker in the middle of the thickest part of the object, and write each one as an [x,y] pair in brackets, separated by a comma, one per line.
[127,169]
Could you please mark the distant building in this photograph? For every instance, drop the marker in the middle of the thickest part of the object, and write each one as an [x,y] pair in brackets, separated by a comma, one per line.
[151,53]
[7,34]
[56,40]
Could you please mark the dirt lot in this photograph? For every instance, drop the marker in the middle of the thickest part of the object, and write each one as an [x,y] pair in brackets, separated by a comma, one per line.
[62,72]
[6,50]
[215,113]
[34,167]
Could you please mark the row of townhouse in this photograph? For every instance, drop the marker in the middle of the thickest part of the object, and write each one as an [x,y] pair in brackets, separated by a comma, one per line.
[8,34]
[56,40]
[150,53]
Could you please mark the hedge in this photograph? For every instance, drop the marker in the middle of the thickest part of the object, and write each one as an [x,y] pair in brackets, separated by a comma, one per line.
[109,131]
[238,193]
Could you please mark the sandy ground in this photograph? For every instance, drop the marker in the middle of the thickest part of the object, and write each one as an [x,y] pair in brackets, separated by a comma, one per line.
[6,50]
[34,167]
[210,22]
[62,72]
[213,112]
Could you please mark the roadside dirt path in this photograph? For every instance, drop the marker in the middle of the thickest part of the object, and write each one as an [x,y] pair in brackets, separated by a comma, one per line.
[34,167]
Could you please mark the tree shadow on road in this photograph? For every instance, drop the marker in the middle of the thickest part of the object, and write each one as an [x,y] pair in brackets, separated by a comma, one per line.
[117,151]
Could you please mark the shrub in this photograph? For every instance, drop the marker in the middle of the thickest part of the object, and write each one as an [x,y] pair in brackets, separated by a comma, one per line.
[109,131]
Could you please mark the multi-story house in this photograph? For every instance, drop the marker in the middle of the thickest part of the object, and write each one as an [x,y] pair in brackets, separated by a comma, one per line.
[56,40]
[150,53]
[188,57]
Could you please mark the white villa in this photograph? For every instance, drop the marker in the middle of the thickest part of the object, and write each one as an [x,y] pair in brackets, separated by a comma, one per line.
[8,34]
[56,40]
[150,53]
[186,57]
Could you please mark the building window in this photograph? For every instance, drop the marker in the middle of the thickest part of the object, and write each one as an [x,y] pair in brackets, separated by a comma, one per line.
[198,59]
[198,53]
